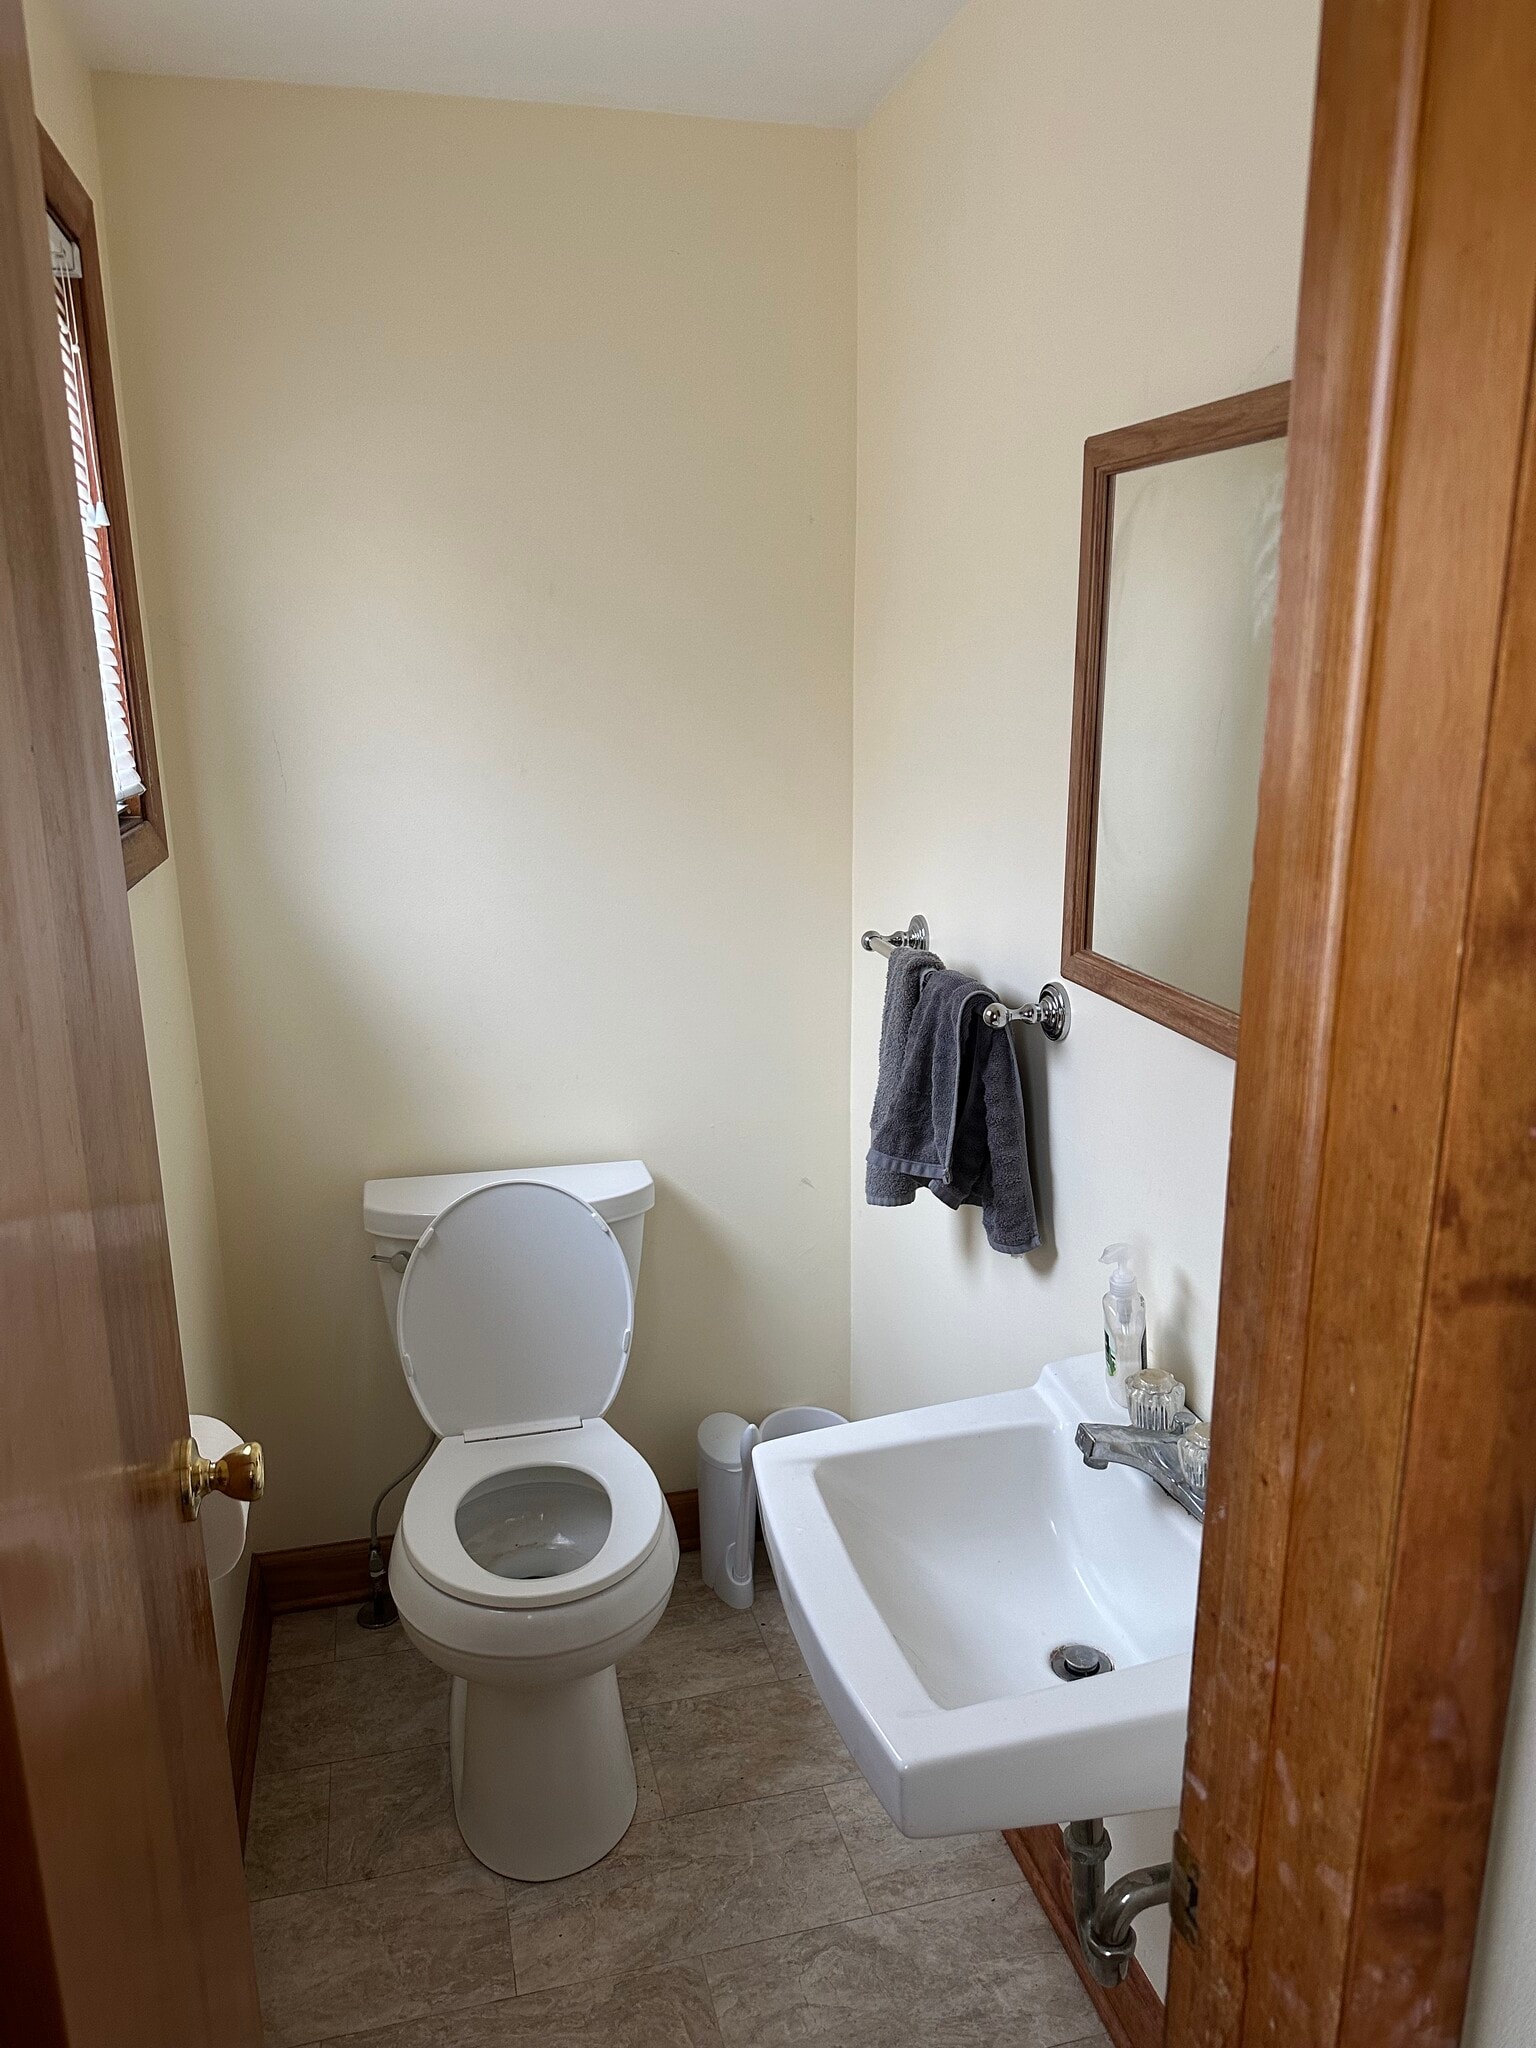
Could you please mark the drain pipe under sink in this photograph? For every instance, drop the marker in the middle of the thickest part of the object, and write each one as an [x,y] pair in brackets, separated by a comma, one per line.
[1105,1917]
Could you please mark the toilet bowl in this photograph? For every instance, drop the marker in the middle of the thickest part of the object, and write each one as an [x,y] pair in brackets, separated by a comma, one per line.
[535,1547]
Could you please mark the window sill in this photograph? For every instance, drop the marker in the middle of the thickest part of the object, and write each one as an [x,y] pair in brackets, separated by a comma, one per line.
[144,848]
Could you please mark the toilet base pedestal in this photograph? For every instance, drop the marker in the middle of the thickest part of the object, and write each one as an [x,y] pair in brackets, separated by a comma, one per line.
[543,1778]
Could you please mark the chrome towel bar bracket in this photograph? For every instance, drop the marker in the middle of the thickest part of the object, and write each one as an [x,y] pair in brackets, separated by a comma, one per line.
[1052,1012]
[915,937]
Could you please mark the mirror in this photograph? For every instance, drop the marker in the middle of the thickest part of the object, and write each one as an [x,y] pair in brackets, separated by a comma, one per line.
[1176,608]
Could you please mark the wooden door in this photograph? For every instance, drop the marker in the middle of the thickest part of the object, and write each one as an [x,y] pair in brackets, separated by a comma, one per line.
[123,1917]
[1372,1484]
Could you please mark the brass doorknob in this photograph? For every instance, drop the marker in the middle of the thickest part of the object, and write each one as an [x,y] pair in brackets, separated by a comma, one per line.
[240,1474]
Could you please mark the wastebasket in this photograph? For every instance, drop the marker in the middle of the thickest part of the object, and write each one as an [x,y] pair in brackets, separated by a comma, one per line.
[728,1493]
[720,1484]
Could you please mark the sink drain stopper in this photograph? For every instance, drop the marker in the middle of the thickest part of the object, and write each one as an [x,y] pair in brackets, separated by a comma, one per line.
[1080,1660]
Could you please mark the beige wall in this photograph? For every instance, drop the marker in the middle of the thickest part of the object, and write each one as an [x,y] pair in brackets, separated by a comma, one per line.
[496,468]
[61,90]
[1070,218]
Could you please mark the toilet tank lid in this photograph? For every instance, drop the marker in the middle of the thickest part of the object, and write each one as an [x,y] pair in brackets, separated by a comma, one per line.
[615,1188]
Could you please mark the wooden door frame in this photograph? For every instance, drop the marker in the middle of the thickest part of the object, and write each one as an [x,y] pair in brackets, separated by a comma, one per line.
[1371,1504]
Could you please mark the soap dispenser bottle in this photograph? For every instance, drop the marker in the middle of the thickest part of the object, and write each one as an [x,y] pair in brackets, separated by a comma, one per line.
[1125,1323]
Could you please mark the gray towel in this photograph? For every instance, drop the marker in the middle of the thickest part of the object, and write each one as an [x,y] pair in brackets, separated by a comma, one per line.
[917,1100]
[888,1187]
[949,1109]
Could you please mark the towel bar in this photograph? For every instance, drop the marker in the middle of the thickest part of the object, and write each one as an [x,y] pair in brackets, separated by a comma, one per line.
[1053,1012]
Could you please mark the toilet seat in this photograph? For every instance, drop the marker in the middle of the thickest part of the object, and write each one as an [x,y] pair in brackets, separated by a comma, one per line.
[429,1527]
[515,1313]
[513,1325]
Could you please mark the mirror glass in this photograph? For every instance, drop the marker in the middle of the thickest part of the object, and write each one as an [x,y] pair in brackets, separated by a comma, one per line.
[1189,618]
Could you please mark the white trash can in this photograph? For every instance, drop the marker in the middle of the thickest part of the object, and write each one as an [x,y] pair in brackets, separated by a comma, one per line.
[719,1491]
[728,1493]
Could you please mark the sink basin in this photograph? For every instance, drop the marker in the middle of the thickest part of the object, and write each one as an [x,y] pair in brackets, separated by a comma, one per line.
[931,1561]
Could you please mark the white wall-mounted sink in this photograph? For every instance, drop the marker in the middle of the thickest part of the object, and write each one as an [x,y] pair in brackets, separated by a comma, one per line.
[931,1561]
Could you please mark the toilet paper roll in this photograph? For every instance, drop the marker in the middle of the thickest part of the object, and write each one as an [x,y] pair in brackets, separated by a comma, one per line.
[223,1521]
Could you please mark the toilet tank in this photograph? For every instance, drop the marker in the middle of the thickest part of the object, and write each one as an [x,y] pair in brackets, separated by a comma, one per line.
[396,1212]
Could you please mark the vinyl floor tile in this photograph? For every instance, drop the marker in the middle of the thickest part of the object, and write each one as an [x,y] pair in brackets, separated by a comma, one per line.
[391,1813]
[982,1971]
[760,1896]
[648,1794]
[750,1743]
[652,2009]
[677,1889]
[332,1713]
[352,1641]
[354,1956]
[777,1635]
[308,1637]
[896,1871]
[700,1645]
[285,1842]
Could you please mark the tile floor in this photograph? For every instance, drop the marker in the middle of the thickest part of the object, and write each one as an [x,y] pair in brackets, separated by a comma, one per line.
[761,1895]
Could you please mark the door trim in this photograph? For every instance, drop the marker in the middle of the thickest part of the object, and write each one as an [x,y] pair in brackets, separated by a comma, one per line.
[1369,1527]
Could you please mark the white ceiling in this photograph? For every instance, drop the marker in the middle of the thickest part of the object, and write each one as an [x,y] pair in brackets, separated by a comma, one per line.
[827,62]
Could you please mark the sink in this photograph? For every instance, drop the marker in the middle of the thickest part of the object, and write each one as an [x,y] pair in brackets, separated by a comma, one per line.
[930,1562]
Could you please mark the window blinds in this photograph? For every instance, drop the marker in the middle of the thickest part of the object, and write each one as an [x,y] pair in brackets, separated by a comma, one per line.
[127,783]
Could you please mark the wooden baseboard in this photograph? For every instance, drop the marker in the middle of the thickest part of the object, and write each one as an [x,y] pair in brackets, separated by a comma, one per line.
[246,1690]
[321,1575]
[1132,2012]
[685,1516]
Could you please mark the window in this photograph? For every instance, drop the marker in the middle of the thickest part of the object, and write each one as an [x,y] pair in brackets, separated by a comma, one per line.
[98,478]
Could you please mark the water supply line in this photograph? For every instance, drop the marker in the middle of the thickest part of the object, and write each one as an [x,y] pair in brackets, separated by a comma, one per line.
[379,1609]
[1105,1917]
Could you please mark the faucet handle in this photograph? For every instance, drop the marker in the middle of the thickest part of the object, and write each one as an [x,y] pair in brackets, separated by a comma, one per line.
[1195,1455]
[1155,1400]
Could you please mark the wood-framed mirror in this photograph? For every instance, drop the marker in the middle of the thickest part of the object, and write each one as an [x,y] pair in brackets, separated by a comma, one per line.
[1177,582]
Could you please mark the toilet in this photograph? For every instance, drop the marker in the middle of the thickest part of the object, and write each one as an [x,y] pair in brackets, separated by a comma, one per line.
[535,1548]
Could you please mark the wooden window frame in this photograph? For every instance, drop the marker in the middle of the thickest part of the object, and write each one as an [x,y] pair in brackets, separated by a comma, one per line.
[141,824]
[1240,422]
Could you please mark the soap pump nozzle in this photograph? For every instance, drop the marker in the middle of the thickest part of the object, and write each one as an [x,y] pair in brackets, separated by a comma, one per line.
[1122,1281]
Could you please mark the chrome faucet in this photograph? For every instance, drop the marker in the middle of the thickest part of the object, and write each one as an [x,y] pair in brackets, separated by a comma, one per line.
[1174,1455]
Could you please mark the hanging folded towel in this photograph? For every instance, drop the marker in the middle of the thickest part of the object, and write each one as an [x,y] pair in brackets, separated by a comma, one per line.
[888,1186]
[949,1108]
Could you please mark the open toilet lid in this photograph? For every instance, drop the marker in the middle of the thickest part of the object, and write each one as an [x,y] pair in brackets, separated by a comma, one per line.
[515,1313]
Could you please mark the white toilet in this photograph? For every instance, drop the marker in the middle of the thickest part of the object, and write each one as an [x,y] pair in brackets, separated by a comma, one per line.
[535,1548]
